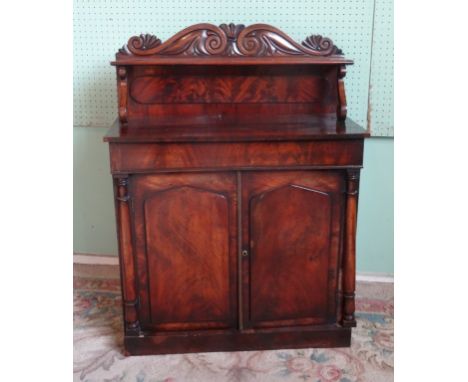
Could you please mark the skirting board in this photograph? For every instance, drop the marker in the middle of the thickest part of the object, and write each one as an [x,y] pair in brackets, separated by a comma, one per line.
[87,258]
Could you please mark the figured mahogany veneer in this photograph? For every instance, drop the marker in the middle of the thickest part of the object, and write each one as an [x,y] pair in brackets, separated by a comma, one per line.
[236,182]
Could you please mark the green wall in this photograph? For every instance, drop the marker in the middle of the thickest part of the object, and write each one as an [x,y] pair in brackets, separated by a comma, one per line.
[94,226]
[375,213]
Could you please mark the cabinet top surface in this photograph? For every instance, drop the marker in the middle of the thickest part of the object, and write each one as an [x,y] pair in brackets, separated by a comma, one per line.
[300,128]
[208,44]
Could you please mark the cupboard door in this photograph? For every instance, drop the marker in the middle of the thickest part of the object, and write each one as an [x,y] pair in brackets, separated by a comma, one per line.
[291,239]
[185,237]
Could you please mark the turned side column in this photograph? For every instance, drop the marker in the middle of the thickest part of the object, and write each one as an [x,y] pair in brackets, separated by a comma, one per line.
[127,264]
[349,258]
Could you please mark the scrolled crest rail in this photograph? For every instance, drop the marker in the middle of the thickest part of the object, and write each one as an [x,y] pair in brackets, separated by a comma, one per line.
[229,40]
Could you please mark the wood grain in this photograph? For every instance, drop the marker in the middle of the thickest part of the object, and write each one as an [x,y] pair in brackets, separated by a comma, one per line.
[179,88]
[141,157]
[163,92]
[291,228]
[186,250]
[289,255]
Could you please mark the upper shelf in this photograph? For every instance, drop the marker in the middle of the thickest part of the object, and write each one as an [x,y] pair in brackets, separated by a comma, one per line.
[208,44]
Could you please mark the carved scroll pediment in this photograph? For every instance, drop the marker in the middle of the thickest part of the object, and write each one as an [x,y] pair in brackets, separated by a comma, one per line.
[257,40]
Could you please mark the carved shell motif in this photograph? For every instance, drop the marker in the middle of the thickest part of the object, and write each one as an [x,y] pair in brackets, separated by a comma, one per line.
[258,40]
[319,43]
[141,43]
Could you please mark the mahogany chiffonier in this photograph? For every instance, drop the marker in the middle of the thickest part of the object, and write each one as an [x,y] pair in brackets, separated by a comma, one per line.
[236,184]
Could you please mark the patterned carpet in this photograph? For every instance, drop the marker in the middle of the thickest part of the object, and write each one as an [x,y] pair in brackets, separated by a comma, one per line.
[98,344]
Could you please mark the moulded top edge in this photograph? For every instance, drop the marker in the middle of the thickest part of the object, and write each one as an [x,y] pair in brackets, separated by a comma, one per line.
[233,61]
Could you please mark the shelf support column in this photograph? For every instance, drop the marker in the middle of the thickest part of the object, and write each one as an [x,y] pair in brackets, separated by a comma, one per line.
[342,107]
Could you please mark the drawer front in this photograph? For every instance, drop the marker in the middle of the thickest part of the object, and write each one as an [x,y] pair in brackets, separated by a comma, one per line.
[150,157]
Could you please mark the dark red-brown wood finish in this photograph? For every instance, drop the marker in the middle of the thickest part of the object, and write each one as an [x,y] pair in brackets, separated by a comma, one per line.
[236,184]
